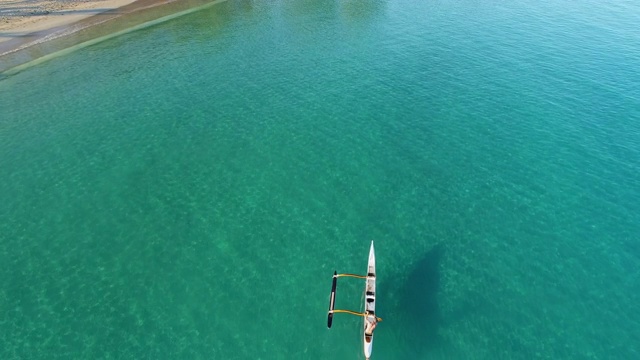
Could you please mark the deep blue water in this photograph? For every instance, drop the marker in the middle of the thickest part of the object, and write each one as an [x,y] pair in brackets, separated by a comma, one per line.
[186,190]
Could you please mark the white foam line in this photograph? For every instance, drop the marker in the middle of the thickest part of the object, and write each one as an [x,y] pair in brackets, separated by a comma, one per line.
[69,50]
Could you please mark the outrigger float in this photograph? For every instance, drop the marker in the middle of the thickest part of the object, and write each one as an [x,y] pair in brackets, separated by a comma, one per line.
[369,314]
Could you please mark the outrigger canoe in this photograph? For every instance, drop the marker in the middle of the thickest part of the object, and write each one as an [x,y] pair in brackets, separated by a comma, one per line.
[370,320]
[369,314]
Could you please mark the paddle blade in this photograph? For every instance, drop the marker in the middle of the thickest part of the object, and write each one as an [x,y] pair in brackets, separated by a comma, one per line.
[332,301]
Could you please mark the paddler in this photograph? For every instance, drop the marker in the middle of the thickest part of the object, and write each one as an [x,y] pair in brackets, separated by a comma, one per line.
[371,325]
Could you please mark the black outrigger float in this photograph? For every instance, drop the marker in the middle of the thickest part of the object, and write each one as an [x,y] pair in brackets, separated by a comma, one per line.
[369,314]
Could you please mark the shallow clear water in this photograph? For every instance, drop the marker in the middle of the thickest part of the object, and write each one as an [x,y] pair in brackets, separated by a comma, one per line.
[186,190]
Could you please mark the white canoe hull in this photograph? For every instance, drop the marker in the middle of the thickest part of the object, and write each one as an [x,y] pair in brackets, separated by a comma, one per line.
[370,301]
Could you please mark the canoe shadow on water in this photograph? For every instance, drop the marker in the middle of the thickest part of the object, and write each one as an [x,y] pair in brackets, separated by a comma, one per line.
[419,300]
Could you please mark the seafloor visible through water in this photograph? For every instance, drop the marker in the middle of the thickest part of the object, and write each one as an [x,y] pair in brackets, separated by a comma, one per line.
[186,191]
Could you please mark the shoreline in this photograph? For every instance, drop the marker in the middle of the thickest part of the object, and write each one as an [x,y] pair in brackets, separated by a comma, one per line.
[21,20]
[23,24]
[23,28]
[102,23]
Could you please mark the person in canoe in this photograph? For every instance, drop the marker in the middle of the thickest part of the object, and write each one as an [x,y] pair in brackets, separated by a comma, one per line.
[372,322]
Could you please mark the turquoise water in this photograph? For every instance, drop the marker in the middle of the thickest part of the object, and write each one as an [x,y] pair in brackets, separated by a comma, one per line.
[185,191]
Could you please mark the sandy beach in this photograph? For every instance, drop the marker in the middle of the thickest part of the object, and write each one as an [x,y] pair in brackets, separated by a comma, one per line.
[31,29]
[24,23]
[22,17]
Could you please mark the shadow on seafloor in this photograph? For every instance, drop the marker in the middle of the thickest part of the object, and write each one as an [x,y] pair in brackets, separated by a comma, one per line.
[418,299]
